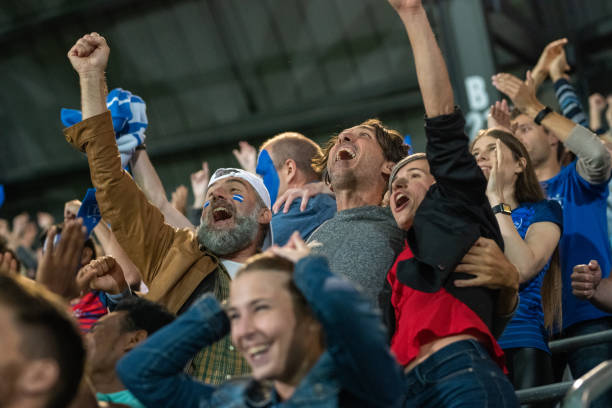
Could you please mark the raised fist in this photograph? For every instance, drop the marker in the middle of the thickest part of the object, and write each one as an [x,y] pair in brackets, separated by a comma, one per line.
[89,54]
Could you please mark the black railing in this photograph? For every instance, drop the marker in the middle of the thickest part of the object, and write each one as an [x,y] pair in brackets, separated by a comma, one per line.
[578,393]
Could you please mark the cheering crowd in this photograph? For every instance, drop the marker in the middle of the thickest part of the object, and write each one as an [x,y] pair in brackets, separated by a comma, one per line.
[348,275]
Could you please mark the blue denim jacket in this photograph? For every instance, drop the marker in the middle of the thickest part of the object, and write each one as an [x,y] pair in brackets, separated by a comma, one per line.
[356,370]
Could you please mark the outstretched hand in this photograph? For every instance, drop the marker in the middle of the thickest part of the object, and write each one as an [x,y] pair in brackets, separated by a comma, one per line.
[89,54]
[521,93]
[246,156]
[294,250]
[103,274]
[60,262]
[585,280]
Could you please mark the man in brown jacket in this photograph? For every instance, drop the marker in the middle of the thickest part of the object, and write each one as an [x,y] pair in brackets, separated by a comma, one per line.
[178,265]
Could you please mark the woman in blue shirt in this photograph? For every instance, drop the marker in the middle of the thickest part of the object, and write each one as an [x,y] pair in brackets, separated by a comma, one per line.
[531,228]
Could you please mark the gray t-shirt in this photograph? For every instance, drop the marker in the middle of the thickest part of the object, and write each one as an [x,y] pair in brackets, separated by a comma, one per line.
[360,244]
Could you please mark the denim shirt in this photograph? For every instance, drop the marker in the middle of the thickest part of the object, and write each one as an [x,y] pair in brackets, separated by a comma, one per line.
[356,369]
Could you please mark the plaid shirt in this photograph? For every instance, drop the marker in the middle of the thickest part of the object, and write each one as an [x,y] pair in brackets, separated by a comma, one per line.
[220,361]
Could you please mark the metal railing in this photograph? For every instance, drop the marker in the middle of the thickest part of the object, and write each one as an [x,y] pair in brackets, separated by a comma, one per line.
[580,392]
[587,388]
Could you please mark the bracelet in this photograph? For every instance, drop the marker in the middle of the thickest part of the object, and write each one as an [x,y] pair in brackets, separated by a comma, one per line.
[141,147]
[502,208]
[541,115]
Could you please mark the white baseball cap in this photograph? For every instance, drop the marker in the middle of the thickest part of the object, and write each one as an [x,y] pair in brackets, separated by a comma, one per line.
[257,185]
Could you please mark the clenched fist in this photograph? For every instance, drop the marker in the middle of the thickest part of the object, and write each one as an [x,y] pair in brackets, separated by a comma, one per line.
[89,55]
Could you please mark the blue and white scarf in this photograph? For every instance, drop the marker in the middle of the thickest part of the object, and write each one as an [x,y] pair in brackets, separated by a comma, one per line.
[129,114]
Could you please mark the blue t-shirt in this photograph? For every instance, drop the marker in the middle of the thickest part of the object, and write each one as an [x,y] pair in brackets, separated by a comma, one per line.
[319,209]
[526,329]
[585,235]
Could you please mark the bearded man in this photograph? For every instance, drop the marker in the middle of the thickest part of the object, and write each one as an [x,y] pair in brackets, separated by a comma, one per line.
[178,265]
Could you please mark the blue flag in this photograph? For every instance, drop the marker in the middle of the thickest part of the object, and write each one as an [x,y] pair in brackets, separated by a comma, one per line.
[89,211]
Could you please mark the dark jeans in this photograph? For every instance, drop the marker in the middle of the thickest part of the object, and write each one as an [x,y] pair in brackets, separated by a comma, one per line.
[583,359]
[460,375]
[529,367]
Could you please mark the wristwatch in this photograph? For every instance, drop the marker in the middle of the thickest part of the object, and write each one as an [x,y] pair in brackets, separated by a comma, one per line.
[541,115]
[502,208]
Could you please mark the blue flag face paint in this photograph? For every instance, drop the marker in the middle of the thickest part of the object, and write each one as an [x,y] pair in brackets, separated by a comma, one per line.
[206,204]
[238,198]
[265,168]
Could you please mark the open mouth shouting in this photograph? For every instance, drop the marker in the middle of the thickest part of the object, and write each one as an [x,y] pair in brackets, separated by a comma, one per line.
[400,200]
[221,213]
[345,152]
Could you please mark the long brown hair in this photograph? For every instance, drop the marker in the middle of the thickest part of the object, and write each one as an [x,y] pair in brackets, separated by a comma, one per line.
[528,189]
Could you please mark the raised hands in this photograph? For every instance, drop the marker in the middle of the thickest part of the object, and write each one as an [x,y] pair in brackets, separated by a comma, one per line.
[542,68]
[521,93]
[294,250]
[179,199]
[597,104]
[585,280]
[246,156]
[103,274]
[89,54]
[8,264]
[499,178]
[499,116]
[199,184]
[559,67]
[60,262]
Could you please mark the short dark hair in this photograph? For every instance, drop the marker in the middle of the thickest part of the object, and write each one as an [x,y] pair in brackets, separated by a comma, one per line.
[142,314]
[516,112]
[390,141]
[46,331]
[297,147]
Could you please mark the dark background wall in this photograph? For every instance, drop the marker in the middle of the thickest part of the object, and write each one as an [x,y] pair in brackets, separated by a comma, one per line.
[214,72]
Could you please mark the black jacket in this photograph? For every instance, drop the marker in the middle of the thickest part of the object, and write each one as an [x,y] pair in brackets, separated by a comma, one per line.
[453,215]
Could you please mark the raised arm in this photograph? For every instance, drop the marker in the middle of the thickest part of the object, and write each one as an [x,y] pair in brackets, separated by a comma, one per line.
[138,225]
[149,182]
[593,159]
[531,254]
[112,247]
[89,57]
[432,74]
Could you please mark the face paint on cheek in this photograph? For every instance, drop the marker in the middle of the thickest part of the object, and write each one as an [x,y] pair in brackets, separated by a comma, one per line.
[265,168]
[206,204]
[238,198]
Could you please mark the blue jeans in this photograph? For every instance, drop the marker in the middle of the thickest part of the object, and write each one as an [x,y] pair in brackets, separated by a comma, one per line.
[460,375]
[583,359]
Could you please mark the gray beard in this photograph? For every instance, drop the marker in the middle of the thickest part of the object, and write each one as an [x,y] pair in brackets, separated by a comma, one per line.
[225,242]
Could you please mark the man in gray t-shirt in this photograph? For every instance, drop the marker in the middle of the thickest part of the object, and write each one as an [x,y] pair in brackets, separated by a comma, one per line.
[362,240]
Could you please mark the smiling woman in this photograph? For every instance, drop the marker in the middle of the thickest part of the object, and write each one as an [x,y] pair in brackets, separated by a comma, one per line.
[310,338]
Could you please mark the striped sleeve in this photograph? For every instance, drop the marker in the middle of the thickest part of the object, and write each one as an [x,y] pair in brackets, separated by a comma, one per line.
[569,102]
